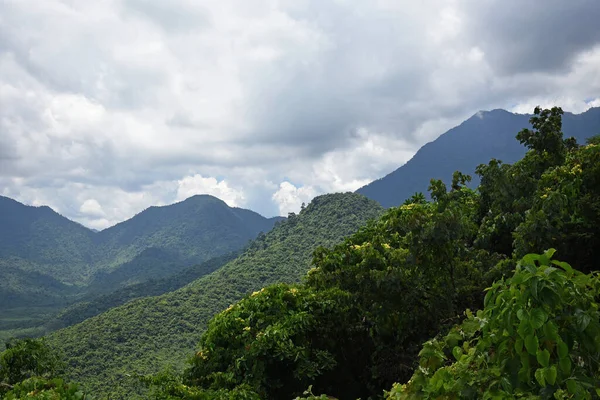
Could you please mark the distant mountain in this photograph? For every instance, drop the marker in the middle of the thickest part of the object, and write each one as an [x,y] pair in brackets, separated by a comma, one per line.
[47,260]
[193,230]
[39,240]
[486,135]
[147,334]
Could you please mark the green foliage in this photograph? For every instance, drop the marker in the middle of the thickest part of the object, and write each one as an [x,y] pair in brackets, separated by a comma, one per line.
[565,211]
[154,287]
[47,260]
[45,389]
[168,385]
[29,370]
[538,336]
[25,358]
[148,334]
[406,273]
[278,340]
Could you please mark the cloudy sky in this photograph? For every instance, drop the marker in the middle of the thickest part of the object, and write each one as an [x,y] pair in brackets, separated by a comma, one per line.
[108,107]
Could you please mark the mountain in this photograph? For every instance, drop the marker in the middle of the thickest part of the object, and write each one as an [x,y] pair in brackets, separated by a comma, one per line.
[94,305]
[48,261]
[486,135]
[39,240]
[193,230]
[145,335]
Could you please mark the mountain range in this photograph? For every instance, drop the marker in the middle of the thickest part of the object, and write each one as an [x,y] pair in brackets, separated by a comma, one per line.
[48,261]
[134,298]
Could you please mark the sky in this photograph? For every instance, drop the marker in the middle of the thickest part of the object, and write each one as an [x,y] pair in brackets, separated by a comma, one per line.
[109,107]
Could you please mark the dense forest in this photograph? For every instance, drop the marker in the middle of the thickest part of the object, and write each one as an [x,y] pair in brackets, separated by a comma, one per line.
[468,293]
[48,262]
[144,335]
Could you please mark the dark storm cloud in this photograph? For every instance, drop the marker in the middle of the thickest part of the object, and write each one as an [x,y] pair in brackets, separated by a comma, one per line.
[526,36]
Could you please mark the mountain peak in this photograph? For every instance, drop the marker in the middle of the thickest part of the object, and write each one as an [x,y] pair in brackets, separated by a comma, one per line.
[486,135]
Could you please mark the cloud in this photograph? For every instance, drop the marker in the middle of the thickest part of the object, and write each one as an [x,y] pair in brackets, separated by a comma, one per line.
[289,198]
[92,208]
[133,103]
[196,184]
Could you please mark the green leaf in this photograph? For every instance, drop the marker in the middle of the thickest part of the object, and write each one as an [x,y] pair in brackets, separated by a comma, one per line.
[565,365]
[532,344]
[551,331]
[533,286]
[563,350]
[525,329]
[582,320]
[506,385]
[540,377]
[572,386]
[519,345]
[538,317]
[547,256]
[550,373]
[543,357]
[457,352]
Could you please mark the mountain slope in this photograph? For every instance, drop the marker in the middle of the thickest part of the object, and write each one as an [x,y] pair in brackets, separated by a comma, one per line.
[37,239]
[484,136]
[194,230]
[95,305]
[50,262]
[147,334]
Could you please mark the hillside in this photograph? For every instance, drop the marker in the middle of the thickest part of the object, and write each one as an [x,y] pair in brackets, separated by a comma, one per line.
[94,305]
[366,322]
[39,240]
[486,135]
[48,261]
[148,334]
[193,231]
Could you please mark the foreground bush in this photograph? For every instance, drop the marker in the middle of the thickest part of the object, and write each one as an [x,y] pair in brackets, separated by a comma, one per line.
[538,337]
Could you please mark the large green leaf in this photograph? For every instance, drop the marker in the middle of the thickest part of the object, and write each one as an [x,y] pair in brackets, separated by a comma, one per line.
[532,344]
[537,318]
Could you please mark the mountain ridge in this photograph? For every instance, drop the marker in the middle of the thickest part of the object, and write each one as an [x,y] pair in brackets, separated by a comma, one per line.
[47,260]
[481,137]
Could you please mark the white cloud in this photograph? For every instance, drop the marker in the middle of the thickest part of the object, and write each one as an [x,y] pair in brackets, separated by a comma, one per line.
[289,198]
[197,184]
[133,103]
[92,208]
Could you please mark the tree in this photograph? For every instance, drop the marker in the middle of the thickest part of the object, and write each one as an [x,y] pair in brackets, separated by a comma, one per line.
[25,358]
[538,337]
[279,340]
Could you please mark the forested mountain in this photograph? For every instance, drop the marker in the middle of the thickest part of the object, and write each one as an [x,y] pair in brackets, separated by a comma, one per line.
[39,240]
[365,322]
[93,304]
[486,293]
[48,261]
[486,135]
[147,334]
[192,231]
